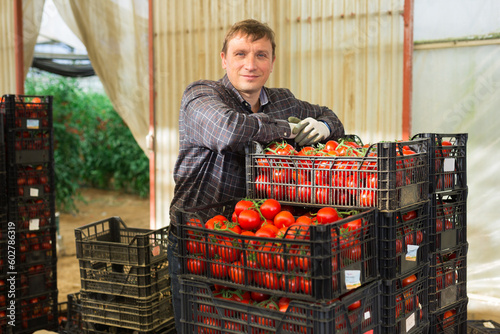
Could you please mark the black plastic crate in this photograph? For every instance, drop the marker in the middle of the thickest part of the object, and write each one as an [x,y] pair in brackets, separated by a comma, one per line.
[448,277]
[74,322]
[30,146]
[383,178]
[448,221]
[143,315]
[320,262]
[483,327]
[37,312]
[31,181]
[32,214]
[403,240]
[405,305]
[204,312]
[110,240]
[447,161]
[451,319]
[168,327]
[28,112]
[30,280]
[36,247]
[124,280]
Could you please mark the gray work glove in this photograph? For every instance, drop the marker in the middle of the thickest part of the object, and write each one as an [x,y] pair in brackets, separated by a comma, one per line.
[310,131]
[293,121]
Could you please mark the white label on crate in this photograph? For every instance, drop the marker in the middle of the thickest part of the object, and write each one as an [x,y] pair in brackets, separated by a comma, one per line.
[34,224]
[449,165]
[32,124]
[488,324]
[411,253]
[33,192]
[352,279]
[367,315]
[410,322]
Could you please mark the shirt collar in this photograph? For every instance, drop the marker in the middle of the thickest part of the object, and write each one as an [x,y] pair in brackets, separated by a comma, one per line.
[262,97]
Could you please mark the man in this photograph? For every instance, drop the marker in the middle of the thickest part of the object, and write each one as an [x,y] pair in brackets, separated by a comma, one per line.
[219,118]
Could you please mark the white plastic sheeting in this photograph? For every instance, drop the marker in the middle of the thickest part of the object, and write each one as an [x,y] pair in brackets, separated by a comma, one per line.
[456,90]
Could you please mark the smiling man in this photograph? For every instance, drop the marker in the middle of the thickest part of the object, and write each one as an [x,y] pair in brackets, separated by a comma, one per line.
[218,119]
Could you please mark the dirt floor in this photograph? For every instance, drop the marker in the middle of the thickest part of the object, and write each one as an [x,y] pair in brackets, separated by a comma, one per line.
[97,205]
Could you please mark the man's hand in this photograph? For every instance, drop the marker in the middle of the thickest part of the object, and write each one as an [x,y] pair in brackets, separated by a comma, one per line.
[310,131]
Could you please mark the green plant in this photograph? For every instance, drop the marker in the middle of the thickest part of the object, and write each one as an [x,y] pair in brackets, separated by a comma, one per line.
[93,147]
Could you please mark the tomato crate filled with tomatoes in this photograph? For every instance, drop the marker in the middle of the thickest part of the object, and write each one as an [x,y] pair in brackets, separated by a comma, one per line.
[127,313]
[447,161]
[448,221]
[385,175]
[213,309]
[36,312]
[110,240]
[403,240]
[124,280]
[301,252]
[28,128]
[405,305]
[31,180]
[448,277]
[451,319]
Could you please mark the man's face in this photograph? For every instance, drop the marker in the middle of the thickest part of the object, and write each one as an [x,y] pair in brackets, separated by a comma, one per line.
[248,64]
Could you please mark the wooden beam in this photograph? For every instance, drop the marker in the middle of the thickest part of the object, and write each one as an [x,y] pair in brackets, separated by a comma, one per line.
[19,50]
[151,138]
[407,68]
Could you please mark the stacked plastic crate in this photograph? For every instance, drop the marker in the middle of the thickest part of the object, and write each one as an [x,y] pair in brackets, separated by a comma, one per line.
[31,268]
[342,265]
[125,286]
[448,233]
[3,229]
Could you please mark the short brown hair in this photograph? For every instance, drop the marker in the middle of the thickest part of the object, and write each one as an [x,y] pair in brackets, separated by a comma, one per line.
[252,28]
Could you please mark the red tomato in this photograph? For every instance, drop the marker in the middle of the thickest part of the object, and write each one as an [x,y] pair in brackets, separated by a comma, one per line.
[249,220]
[270,208]
[355,305]
[218,268]
[270,280]
[298,231]
[237,273]
[283,262]
[263,186]
[327,215]
[290,283]
[302,258]
[196,266]
[265,255]
[331,145]
[305,285]
[242,205]
[408,280]
[368,198]
[449,318]
[284,218]
[259,296]
[266,232]
[228,251]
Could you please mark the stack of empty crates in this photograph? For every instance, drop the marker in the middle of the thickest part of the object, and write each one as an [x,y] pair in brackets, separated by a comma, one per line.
[125,286]
[27,214]
[448,233]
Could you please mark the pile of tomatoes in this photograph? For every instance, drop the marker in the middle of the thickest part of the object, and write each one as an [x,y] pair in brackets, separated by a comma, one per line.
[266,244]
[341,173]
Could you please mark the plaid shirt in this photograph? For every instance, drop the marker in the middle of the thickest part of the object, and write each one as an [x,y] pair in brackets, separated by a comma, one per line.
[215,125]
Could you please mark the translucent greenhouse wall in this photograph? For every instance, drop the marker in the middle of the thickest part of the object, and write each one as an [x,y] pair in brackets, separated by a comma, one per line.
[456,90]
